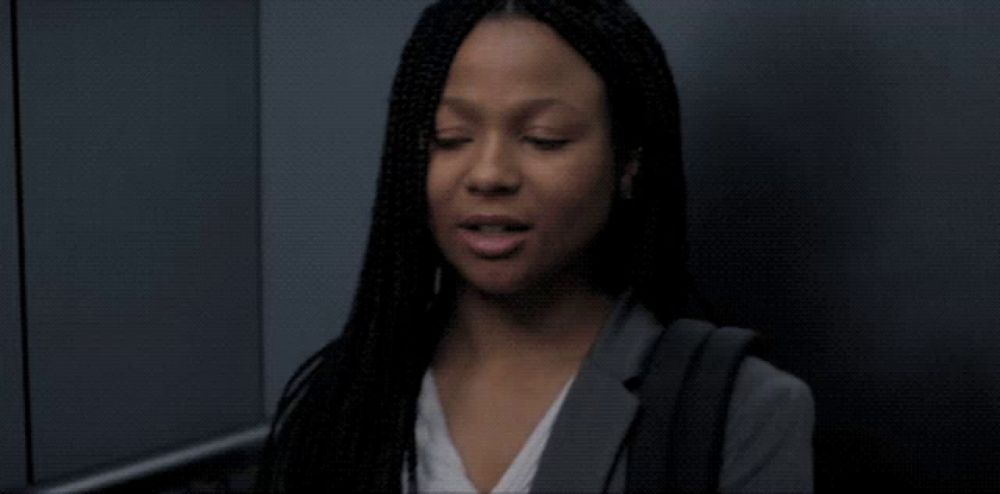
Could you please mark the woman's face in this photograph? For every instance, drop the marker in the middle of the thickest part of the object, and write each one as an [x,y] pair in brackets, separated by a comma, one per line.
[520,179]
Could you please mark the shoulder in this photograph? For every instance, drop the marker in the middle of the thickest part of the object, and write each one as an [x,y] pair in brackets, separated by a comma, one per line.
[769,429]
[761,386]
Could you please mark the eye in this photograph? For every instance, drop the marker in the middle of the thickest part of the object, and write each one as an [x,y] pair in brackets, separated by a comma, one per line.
[546,144]
[451,143]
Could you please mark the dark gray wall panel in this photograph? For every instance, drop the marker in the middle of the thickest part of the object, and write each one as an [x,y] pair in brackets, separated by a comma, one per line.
[140,158]
[326,69]
[12,440]
[845,199]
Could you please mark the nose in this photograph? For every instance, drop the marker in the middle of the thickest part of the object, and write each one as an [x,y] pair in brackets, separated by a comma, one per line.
[495,170]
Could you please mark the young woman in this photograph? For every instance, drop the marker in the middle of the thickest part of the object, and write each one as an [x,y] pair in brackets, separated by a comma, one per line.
[527,250]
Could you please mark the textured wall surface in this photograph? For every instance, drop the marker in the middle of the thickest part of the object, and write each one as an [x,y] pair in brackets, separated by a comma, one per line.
[845,199]
[139,136]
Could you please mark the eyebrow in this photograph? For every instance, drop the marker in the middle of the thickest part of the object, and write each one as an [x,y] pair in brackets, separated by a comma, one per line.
[524,109]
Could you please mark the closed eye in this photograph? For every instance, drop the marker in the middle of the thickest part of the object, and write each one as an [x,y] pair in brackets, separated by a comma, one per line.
[449,144]
[547,144]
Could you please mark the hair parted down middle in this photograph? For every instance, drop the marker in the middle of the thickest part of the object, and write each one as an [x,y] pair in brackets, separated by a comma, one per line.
[345,420]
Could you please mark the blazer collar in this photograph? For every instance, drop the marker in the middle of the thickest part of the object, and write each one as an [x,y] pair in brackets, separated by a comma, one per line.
[587,435]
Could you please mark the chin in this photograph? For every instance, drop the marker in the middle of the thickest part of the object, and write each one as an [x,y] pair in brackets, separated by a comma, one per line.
[497,283]
[496,287]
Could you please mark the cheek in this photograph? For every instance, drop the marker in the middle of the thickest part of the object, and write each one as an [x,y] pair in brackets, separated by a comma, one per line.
[579,209]
[437,195]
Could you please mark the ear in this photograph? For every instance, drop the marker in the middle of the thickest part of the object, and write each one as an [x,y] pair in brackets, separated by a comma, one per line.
[628,175]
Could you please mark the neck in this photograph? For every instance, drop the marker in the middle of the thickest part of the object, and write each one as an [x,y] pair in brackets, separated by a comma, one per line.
[542,329]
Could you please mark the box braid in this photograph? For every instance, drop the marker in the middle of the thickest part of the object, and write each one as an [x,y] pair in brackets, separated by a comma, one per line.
[345,419]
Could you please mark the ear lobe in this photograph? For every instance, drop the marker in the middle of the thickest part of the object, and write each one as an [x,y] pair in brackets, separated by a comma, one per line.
[628,175]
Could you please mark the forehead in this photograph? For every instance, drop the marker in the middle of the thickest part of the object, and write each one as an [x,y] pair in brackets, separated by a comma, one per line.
[507,61]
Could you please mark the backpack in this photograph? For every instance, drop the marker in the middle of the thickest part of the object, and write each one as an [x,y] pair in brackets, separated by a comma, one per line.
[684,398]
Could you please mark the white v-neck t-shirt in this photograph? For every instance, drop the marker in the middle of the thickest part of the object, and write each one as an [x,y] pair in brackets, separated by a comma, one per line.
[439,467]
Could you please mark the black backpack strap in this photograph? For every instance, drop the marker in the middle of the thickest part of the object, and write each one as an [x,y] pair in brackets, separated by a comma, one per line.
[679,434]
[700,427]
[660,388]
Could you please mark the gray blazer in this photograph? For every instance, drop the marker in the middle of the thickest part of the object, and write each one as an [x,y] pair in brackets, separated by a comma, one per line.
[768,440]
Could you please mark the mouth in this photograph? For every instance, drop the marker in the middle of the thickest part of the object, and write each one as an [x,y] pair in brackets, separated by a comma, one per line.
[493,236]
[495,229]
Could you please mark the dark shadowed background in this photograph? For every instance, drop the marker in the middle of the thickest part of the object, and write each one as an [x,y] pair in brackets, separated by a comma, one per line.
[185,189]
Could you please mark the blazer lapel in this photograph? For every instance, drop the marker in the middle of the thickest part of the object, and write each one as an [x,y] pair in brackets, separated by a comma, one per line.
[598,410]
[587,435]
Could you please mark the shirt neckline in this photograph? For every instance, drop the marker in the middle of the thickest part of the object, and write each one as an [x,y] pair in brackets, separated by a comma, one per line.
[514,478]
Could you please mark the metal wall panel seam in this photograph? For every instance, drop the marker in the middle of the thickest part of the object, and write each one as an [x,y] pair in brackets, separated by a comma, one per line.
[21,255]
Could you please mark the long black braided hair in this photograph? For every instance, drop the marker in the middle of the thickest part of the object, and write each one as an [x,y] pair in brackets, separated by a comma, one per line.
[345,421]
